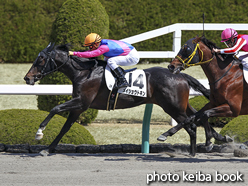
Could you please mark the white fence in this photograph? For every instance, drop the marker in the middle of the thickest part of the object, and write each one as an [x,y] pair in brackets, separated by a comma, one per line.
[176,29]
[55,89]
[35,89]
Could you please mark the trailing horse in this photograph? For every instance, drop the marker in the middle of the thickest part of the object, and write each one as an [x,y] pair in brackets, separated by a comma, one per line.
[169,91]
[228,88]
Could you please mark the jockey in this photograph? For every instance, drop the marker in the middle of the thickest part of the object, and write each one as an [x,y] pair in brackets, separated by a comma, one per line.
[235,42]
[114,52]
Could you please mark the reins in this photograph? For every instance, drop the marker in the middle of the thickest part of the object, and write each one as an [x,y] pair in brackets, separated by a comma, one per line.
[223,74]
[186,62]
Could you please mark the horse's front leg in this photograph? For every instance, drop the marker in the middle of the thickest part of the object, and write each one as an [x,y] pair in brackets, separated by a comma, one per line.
[192,133]
[208,133]
[74,114]
[74,103]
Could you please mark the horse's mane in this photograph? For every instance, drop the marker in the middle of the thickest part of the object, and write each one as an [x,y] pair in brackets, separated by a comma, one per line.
[207,42]
[212,45]
[64,47]
[86,64]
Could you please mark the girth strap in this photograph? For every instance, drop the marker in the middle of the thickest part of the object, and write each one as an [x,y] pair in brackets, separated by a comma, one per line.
[112,99]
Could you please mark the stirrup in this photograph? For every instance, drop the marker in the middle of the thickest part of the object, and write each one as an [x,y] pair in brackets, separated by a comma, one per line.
[123,85]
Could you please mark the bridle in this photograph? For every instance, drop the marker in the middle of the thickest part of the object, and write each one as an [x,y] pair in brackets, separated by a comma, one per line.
[50,57]
[186,62]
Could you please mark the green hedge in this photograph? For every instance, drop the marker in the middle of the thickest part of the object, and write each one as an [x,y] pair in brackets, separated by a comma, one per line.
[75,20]
[78,18]
[19,126]
[25,25]
[128,18]
[237,129]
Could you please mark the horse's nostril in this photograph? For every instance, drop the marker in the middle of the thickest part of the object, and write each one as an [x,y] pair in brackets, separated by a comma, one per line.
[38,76]
[26,78]
[171,67]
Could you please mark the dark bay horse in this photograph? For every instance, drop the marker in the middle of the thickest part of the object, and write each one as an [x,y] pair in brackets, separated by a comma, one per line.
[228,88]
[169,91]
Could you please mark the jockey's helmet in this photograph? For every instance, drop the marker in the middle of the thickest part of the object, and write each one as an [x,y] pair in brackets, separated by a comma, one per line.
[91,39]
[228,34]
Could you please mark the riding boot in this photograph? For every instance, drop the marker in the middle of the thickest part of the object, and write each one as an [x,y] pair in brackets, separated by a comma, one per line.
[121,80]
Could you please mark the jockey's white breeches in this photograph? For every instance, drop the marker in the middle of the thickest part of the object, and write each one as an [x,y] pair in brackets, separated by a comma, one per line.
[244,59]
[131,59]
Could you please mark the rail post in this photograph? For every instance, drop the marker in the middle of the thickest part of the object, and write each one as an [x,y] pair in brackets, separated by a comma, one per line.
[146,128]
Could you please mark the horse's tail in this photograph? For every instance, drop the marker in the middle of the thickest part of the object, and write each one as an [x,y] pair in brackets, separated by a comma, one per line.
[196,85]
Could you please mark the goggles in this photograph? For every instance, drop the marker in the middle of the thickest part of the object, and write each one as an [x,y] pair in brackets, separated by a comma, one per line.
[227,43]
[91,47]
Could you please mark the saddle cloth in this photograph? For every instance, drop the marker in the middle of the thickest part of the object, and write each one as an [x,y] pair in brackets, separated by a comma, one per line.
[136,79]
[245,72]
[240,57]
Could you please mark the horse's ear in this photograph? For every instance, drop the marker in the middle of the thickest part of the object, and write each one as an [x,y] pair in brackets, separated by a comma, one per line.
[49,47]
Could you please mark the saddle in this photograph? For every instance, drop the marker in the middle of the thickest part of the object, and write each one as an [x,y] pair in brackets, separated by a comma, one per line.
[113,94]
[137,85]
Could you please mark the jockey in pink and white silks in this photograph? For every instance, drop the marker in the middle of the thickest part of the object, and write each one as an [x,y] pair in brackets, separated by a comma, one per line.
[235,42]
[115,53]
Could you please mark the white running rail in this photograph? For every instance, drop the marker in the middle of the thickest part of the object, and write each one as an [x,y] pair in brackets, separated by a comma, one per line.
[56,89]
[176,29]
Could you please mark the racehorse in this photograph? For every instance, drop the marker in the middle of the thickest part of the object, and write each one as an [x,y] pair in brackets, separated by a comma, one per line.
[228,88]
[169,91]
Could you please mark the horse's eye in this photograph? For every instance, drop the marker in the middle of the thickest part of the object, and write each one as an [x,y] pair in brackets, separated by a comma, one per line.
[39,61]
[187,51]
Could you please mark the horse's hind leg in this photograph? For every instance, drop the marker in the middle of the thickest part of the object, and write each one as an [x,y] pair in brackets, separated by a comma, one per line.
[69,122]
[210,132]
[219,137]
[69,105]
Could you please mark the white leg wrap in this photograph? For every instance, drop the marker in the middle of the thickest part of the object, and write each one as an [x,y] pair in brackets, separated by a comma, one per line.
[39,134]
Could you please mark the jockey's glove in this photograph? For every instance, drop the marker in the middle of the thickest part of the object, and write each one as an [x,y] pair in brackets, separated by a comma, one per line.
[70,53]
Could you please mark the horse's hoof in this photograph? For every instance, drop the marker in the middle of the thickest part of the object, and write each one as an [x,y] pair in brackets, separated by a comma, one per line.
[192,155]
[39,136]
[44,152]
[209,147]
[161,138]
[242,146]
[228,138]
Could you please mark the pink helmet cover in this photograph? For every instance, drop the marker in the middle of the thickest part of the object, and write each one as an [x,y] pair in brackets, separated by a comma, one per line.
[227,34]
